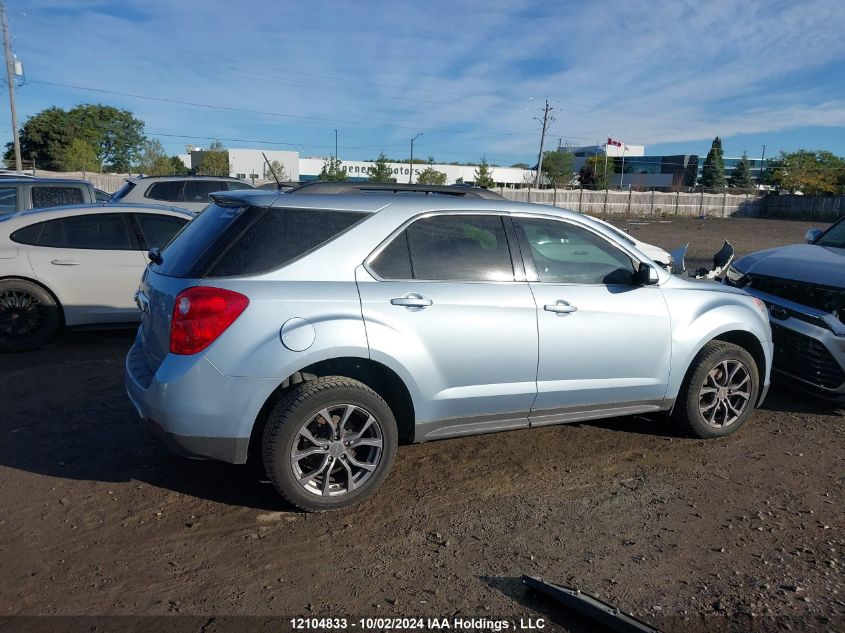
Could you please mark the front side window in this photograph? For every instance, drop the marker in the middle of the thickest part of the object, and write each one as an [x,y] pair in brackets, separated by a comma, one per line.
[55,196]
[834,236]
[105,231]
[567,253]
[449,248]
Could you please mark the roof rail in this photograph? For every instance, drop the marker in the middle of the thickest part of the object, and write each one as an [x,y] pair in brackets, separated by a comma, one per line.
[343,187]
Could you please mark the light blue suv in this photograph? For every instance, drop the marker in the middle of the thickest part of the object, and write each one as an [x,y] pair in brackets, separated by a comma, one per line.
[318,332]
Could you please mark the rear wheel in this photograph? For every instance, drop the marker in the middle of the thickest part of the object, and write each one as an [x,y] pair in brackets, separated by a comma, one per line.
[29,316]
[719,392]
[329,443]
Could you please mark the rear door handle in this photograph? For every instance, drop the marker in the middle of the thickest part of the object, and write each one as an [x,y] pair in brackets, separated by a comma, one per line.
[411,300]
[64,262]
[560,307]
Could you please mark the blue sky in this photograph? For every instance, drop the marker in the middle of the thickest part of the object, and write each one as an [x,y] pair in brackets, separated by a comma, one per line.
[471,76]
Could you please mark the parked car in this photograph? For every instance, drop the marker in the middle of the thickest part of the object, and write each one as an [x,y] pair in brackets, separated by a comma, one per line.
[803,286]
[350,187]
[655,253]
[318,331]
[26,192]
[185,192]
[102,196]
[75,266]
[284,186]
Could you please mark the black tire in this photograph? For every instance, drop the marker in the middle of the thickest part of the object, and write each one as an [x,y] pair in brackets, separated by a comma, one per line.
[693,408]
[29,315]
[300,407]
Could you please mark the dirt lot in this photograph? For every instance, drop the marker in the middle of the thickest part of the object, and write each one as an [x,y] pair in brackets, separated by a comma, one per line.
[96,517]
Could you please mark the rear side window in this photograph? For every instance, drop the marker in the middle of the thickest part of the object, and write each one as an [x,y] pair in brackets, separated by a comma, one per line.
[158,230]
[8,200]
[198,190]
[169,191]
[449,248]
[55,196]
[105,231]
[279,236]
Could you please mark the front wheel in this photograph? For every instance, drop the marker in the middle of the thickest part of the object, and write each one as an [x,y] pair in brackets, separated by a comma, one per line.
[719,391]
[29,316]
[329,443]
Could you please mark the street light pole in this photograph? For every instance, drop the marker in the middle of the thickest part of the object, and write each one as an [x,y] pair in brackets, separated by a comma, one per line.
[335,145]
[762,166]
[10,79]
[622,175]
[411,169]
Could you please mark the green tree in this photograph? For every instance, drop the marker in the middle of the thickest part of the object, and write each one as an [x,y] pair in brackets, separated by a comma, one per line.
[596,172]
[79,155]
[713,172]
[430,176]
[741,176]
[277,168]
[332,170]
[521,165]
[152,158]
[177,167]
[380,171]
[483,175]
[811,173]
[215,161]
[558,167]
[115,135]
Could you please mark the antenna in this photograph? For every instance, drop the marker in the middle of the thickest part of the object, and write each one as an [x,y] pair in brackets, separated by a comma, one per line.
[270,167]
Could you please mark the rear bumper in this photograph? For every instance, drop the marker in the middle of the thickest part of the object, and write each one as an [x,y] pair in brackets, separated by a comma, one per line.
[196,410]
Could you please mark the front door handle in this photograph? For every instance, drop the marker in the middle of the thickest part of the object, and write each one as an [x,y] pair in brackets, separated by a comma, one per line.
[560,307]
[64,262]
[411,300]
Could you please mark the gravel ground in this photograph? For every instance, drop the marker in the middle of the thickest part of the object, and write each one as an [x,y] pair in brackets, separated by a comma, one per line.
[96,517]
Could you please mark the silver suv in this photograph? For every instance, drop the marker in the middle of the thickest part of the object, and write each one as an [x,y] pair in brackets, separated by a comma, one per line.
[186,192]
[317,332]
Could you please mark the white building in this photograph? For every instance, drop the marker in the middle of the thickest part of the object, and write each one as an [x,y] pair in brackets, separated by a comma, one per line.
[309,169]
[249,164]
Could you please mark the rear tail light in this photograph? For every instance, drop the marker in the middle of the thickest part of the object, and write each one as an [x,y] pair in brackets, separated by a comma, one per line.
[201,315]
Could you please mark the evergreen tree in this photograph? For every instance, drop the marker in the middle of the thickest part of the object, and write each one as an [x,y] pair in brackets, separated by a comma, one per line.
[430,176]
[332,170]
[713,172]
[381,172]
[483,175]
[741,176]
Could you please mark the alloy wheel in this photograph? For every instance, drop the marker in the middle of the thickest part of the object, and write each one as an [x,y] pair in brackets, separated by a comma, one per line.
[725,394]
[20,313]
[337,450]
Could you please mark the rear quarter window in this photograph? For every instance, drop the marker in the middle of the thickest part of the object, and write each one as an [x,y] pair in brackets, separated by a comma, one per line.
[278,237]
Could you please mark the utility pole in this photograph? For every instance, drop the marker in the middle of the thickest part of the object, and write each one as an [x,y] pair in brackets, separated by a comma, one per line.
[10,79]
[335,145]
[762,166]
[411,169]
[547,118]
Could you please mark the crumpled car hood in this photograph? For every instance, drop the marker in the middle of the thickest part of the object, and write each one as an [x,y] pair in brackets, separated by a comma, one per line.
[800,262]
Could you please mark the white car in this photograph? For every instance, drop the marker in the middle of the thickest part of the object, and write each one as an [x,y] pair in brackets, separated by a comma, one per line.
[75,266]
[655,253]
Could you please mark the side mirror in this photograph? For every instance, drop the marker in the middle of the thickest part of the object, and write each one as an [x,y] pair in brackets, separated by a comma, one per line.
[812,235]
[647,275]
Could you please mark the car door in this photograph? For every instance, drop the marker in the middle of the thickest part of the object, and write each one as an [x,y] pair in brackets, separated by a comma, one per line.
[442,306]
[93,264]
[604,340]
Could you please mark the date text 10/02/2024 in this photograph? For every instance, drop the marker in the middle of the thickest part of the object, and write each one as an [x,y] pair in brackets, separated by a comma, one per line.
[419,624]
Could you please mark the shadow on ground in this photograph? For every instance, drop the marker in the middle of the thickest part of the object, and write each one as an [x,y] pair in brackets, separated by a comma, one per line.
[66,415]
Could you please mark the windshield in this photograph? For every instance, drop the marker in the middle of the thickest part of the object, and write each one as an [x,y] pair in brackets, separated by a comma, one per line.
[835,236]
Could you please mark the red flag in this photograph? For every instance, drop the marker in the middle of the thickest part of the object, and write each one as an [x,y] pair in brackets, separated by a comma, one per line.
[611,141]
